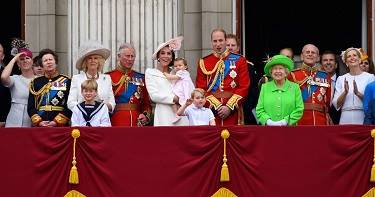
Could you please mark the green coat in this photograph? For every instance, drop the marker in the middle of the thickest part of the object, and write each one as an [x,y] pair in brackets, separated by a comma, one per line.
[280,103]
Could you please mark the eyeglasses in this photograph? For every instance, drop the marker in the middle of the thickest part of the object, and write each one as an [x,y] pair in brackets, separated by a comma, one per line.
[365,63]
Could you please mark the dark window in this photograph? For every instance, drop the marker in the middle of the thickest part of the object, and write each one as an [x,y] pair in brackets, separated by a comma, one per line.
[271,25]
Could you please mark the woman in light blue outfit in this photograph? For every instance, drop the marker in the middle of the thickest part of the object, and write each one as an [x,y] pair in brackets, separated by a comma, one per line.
[19,88]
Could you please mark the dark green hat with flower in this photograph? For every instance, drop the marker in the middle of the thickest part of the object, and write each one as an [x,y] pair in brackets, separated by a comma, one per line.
[278,60]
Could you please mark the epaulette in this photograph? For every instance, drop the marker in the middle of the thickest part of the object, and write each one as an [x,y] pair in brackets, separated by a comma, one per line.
[37,77]
[296,69]
[66,76]
[108,72]
[206,56]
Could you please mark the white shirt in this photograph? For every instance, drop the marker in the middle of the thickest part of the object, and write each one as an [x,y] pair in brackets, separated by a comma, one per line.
[199,116]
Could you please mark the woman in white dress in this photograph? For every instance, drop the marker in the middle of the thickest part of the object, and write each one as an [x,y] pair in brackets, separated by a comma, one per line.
[160,88]
[91,60]
[350,88]
[19,88]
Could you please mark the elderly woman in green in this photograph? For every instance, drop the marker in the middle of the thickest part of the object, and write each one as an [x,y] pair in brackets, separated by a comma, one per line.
[280,102]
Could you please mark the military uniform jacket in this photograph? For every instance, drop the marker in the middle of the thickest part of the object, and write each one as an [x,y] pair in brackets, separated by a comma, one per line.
[48,100]
[226,80]
[315,85]
[131,97]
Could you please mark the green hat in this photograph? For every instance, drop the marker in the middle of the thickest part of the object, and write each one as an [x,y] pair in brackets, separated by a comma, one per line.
[278,60]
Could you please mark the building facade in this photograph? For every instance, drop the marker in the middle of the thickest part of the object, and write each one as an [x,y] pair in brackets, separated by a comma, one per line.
[63,25]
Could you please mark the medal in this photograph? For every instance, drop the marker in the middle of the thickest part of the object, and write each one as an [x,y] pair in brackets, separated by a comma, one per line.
[55,101]
[60,94]
[233,74]
[233,84]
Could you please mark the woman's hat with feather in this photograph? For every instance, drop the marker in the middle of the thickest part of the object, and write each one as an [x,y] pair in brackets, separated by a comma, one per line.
[20,46]
[174,44]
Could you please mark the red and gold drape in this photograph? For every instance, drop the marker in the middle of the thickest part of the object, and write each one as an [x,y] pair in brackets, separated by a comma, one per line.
[186,161]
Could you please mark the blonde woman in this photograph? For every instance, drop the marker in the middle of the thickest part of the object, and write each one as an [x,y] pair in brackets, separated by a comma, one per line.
[91,60]
[350,88]
[19,88]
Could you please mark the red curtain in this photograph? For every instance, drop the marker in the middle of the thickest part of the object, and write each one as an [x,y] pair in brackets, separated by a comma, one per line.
[186,161]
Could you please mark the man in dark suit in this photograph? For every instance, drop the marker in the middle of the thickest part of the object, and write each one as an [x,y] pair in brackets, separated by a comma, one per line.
[4,92]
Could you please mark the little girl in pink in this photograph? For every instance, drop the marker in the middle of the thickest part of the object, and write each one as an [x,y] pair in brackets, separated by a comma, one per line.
[182,83]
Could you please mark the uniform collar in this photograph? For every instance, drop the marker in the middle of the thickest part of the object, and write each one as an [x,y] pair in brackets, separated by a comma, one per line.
[55,74]
[310,68]
[222,55]
[122,69]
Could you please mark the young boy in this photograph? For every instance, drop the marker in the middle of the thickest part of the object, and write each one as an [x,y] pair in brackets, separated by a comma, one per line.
[90,113]
[197,113]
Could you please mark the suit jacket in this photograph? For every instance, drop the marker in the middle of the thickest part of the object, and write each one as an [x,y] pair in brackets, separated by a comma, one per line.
[5,100]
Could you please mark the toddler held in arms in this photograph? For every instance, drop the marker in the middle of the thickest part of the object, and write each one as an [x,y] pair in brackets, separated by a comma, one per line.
[182,83]
[195,111]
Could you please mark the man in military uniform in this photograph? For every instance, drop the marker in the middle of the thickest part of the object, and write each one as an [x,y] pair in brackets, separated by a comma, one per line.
[225,77]
[315,85]
[133,105]
[49,94]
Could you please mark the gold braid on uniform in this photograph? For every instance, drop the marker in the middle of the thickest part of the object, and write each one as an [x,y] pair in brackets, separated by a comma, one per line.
[218,67]
[233,101]
[119,84]
[39,93]
[61,120]
[300,83]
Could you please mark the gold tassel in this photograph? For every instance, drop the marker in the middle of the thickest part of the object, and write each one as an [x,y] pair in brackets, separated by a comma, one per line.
[224,192]
[73,176]
[370,193]
[224,175]
[372,177]
[74,193]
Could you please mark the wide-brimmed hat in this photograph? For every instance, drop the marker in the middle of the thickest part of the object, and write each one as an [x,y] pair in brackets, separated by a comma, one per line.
[91,48]
[174,44]
[278,60]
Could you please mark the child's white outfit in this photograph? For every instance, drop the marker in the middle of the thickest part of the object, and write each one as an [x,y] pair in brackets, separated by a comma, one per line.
[96,115]
[183,87]
[198,116]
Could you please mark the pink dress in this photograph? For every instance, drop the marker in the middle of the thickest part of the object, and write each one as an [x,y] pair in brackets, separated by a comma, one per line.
[183,87]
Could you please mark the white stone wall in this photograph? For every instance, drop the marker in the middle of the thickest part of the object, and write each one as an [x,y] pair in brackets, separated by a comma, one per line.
[144,23]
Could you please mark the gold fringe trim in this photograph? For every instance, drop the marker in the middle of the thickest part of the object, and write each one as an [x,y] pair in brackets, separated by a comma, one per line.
[224,192]
[372,177]
[74,193]
[73,176]
[224,175]
[370,193]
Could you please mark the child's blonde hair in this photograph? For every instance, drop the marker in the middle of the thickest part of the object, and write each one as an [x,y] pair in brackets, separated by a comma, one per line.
[183,60]
[199,91]
[89,84]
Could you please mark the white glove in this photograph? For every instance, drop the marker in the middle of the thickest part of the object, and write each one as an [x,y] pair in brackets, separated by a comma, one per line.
[271,123]
[282,122]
